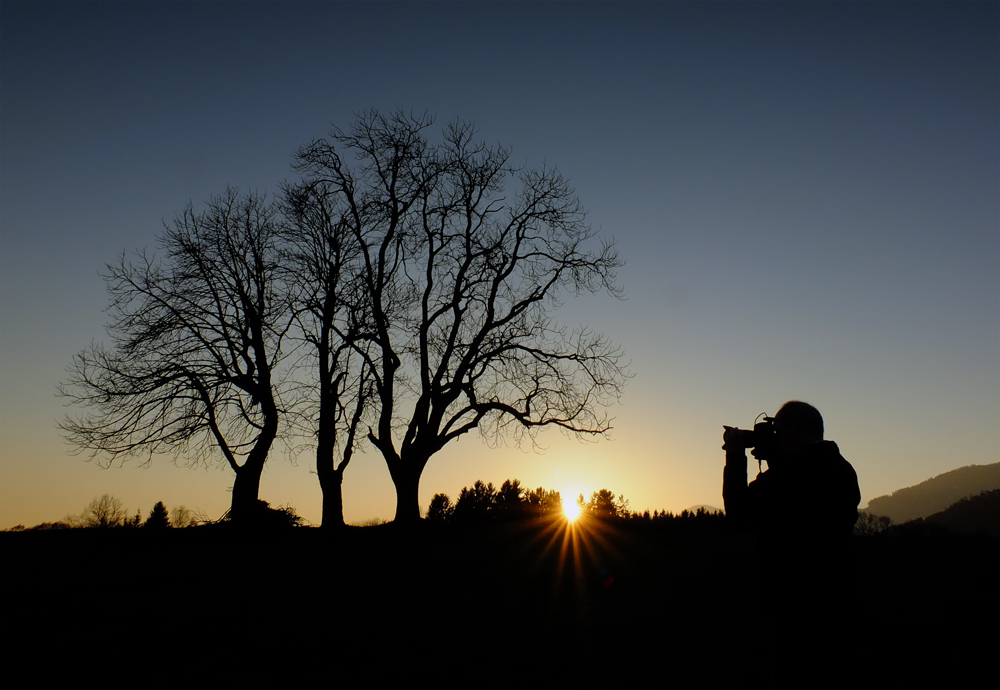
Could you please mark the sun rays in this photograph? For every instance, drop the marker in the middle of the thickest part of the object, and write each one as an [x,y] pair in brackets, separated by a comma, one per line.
[574,550]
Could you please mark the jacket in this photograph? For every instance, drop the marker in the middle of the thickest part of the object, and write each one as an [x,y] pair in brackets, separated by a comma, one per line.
[814,493]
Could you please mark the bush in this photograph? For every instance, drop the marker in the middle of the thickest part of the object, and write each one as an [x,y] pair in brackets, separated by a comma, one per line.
[268,518]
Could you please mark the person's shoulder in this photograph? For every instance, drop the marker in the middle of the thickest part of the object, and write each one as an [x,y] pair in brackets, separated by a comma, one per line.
[832,463]
[826,451]
[836,456]
[824,458]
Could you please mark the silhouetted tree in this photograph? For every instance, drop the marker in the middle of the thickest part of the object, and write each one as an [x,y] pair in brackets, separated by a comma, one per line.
[103,512]
[476,504]
[543,502]
[509,500]
[869,524]
[181,517]
[602,504]
[195,340]
[158,517]
[440,509]
[460,274]
[332,313]
[135,520]
[482,502]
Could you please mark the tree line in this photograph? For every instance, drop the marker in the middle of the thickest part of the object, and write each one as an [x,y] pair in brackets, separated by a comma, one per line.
[109,512]
[398,295]
[483,502]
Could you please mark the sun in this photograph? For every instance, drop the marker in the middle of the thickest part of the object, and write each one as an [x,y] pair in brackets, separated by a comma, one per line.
[571,511]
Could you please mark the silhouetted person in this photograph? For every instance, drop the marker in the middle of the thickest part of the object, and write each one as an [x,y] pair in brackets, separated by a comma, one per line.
[803,509]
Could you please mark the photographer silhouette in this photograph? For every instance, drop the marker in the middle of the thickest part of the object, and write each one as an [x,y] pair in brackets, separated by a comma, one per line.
[802,510]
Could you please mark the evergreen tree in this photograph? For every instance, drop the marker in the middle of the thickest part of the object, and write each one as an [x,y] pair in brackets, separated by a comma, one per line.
[476,504]
[509,501]
[158,518]
[135,520]
[603,504]
[543,501]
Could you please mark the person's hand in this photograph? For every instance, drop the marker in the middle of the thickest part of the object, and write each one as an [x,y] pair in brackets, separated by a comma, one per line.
[733,438]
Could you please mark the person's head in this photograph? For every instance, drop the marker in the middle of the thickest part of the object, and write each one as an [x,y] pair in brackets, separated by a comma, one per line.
[796,426]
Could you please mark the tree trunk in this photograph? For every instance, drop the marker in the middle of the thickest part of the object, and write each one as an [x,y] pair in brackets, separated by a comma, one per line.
[406,477]
[246,490]
[331,477]
[332,485]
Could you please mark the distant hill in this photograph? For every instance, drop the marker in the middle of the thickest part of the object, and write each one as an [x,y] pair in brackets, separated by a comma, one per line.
[974,515]
[707,508]
[936,494]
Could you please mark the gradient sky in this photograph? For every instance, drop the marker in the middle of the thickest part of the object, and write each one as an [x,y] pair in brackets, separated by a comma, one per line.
[807,197]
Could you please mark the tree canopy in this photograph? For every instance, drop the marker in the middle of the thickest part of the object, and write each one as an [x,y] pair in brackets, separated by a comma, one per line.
[401,292]
[195,340]
[461,274]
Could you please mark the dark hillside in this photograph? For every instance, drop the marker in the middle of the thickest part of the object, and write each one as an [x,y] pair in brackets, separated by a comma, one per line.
[973,515]
[936,494]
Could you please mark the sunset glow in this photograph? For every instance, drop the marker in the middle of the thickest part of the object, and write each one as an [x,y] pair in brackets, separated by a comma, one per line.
[571,511]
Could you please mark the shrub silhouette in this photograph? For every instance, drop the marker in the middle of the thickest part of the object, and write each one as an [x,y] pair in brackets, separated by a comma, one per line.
[263,516]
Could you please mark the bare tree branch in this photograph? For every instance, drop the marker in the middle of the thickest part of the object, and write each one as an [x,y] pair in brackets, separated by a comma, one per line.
[195,340]
[460,278]
[323,264]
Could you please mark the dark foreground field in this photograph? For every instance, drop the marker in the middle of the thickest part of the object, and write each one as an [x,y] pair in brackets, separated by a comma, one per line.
[530,606]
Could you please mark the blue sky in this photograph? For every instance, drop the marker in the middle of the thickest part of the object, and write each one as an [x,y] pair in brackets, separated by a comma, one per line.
[806,196]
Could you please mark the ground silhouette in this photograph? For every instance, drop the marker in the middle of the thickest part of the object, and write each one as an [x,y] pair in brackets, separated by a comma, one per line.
[527,602]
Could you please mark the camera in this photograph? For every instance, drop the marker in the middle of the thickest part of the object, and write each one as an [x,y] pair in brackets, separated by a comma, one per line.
[761,438]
